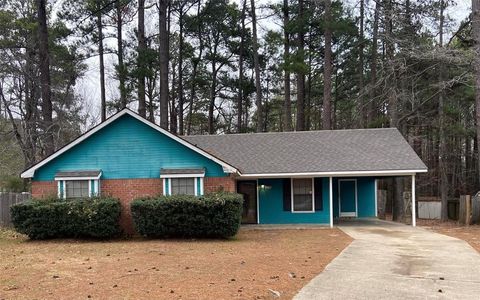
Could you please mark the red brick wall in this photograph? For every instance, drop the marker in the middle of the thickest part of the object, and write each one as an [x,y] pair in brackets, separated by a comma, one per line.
[213,184]
[128,189]
[41,189]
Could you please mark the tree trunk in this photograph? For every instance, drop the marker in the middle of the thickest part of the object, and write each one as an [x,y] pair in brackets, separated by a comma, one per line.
[142,47]
[172,97]
[361,102]
[398,212]
[300,124]
[45,82]
[194,71]
[180,72]
[287,106]
[163,60]
[256,59]
[371,108]
[240,70]
[327,73]
[476,65]
[442,159]
[121,67]
[211,105]
[101,65]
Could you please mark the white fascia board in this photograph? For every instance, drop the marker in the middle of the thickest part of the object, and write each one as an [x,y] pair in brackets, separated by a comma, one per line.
[336,174]
[77,178]
[29,173]
[182,175]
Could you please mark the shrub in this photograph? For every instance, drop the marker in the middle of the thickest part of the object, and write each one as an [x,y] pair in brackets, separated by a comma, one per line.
[215,215]
[54,218]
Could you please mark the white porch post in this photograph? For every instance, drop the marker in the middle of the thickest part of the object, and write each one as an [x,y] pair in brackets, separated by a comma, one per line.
[414,213]
[330,193]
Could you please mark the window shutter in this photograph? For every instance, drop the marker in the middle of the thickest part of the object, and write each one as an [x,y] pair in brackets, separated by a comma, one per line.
[318,194]
[287,194]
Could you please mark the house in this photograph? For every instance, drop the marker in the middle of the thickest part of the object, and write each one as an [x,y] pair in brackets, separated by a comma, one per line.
[290,177]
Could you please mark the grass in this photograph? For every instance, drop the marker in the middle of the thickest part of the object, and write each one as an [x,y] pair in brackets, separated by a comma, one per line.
[250,266]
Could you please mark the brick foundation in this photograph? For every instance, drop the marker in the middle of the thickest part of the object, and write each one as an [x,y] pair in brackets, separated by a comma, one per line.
[129,189]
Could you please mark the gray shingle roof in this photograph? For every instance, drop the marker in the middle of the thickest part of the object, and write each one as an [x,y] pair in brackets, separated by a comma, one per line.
[182,171]
[82,173]
[382,149]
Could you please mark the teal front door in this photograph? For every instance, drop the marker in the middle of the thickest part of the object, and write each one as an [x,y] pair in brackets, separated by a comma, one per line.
[347,197]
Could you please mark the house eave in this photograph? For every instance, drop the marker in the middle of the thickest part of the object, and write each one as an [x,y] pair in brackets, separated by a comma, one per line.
[376,173]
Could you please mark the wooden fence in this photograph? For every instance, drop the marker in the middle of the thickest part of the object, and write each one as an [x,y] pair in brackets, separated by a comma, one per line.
[469,209]
[7,200]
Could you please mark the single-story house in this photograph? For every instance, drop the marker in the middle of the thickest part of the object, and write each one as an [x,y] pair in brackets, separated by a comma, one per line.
[285,177]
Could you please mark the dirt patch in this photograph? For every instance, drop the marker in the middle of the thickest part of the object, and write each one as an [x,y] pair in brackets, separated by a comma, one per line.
[247,267]
[470,234]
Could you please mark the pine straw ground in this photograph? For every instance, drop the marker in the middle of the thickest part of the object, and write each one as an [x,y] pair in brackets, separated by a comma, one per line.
[256,264]
[470,234]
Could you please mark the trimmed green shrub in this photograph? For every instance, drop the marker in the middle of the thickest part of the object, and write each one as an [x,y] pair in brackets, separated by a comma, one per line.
[215,215]
[55,218]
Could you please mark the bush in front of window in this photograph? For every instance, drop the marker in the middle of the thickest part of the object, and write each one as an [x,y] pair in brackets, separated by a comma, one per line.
[215,215]
[54,218]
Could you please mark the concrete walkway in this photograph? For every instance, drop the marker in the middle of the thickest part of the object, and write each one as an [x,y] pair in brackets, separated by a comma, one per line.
[393,261]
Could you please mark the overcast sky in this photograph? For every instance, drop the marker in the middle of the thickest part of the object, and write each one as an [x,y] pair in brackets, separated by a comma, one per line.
[88,86]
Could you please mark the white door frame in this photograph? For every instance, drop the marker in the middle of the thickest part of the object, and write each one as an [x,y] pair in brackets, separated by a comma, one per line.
[347,214]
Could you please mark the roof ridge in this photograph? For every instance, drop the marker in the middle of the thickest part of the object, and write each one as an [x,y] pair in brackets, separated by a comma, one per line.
[290,132]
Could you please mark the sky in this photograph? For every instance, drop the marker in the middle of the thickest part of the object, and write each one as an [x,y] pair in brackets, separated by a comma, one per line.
[88,86]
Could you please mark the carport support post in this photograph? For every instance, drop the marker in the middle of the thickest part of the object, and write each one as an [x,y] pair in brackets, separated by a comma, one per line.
[414,217]
[330,196]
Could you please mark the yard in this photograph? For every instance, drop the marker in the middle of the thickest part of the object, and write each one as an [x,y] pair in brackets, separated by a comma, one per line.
[470,234]
[255,265]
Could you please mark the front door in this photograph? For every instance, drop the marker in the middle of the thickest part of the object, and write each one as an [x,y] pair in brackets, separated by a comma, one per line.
[347,197]
[249,191]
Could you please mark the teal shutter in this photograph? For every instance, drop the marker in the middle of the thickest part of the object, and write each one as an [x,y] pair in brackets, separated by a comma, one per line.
[92,188]
[60,189]
[167,187]
[199,185]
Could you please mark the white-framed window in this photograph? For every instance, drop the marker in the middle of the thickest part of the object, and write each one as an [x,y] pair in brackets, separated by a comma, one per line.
[303,195]
[78,184]
[183,186]
[182,181]
[77,189]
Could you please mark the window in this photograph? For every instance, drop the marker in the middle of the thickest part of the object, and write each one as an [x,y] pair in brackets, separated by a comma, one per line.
[182,186]
[76,189]
[302,195]
[78,184]
[187,181]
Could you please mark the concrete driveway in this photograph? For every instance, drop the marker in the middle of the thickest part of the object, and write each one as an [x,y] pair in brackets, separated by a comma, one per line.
[394,261]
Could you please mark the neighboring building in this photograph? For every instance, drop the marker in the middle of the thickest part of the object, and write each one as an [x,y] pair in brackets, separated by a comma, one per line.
[289,177]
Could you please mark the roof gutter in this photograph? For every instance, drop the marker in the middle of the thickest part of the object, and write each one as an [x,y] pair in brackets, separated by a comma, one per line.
[337,174]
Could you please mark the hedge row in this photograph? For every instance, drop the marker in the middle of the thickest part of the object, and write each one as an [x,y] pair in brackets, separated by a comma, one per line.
[54,218]
[215,215]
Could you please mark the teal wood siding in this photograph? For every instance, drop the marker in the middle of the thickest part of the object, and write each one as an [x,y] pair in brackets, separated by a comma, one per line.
[125,149]
[271,205]
[365,196]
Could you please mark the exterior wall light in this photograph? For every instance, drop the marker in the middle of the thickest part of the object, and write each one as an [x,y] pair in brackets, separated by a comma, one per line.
[264,187]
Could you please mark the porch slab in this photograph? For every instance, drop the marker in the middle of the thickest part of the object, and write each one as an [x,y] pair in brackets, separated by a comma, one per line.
[388,260]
